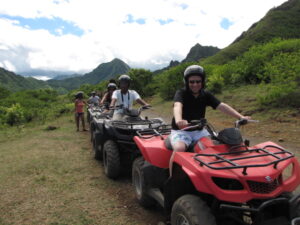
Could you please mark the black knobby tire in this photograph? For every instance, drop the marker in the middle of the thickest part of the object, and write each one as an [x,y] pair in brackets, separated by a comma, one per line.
[191,210]
[97,147]
[92,131]
[138,181]
[111,159]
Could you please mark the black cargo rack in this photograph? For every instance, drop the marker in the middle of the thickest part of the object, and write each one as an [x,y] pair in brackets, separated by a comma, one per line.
[233,162]
[133,125]
[164,129]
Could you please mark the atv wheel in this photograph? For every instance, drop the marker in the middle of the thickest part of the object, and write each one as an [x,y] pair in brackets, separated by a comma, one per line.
[92,131]
[138,182]
[191,210]
[97,147]
[111,159]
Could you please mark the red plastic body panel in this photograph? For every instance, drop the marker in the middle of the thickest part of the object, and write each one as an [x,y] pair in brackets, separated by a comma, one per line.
[155,152]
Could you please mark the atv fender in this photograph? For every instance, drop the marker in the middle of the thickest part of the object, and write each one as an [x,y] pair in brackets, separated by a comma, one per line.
[154,151]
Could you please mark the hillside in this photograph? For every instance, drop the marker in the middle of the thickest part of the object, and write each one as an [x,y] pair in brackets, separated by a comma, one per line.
[281,22]
[104,71]
[14,82]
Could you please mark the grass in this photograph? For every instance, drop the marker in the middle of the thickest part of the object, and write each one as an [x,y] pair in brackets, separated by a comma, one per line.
[50,177]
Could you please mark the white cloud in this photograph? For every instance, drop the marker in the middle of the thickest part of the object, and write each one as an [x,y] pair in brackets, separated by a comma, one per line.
[107,35]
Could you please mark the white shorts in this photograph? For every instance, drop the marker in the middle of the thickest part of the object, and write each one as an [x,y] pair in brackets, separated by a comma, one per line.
[187,137]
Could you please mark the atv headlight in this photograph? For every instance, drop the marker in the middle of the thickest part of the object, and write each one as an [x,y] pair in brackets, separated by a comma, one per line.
[288,172]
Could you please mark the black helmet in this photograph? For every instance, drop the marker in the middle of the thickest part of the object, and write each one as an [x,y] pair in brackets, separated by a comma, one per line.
[79,94]
[112,81]
[112,85]
[194,70]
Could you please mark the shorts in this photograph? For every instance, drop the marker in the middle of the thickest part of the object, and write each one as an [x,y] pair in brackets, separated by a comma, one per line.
[187,137]
[78,114]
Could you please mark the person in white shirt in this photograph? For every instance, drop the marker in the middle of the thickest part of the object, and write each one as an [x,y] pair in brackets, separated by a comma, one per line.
[94,99]
[124,97]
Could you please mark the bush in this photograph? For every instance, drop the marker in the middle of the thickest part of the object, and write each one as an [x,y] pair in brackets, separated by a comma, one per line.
[15,115]
[171,80]
[142,81]
[215,83]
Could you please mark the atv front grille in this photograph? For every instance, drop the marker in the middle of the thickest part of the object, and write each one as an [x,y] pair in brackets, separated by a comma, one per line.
[263,188]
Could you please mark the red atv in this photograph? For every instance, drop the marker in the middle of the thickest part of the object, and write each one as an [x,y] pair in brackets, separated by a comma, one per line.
[220,180]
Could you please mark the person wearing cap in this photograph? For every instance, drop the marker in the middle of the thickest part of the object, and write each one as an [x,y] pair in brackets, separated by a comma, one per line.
[106,99]
[190,104]
[79,110]
[124,97]
[94,99]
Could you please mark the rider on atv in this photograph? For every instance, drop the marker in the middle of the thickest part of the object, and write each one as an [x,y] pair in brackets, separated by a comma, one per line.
[106,99]
[94,99]
[124,97]
[190,104]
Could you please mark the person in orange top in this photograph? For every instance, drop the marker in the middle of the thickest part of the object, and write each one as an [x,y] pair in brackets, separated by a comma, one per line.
[79,110]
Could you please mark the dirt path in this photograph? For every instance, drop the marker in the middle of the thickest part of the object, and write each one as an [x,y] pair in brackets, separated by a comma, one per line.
[51,178]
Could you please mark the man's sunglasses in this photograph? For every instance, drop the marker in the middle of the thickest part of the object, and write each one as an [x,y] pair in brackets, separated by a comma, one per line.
[195,81]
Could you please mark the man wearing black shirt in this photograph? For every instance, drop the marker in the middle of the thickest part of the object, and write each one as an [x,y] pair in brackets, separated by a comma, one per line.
[190,104]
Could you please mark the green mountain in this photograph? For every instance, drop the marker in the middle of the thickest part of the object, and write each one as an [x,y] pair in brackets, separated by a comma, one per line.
[198,52]
[104,71]
[281,22]
[14,82]
[172,64]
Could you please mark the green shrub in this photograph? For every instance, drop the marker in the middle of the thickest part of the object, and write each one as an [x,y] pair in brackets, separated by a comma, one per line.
[171,80]
[15,115]
[215,83]
[142,81]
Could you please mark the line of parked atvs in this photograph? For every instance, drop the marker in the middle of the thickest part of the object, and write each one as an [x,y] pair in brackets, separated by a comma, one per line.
[220,180]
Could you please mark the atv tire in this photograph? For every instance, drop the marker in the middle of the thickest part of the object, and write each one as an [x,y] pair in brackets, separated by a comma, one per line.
[138,182]
[111,159]
[92,129]
[97,147]
[191,210]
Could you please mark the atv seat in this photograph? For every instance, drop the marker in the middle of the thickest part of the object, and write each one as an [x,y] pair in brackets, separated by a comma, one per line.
[169,146]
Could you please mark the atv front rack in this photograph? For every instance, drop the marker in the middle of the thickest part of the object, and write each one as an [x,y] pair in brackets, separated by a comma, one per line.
[233,163]
[164,129]
[137,124]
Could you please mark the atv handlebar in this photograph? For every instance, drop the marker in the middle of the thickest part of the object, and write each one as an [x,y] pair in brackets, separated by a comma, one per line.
[196,125]
[242,122]
[116,107]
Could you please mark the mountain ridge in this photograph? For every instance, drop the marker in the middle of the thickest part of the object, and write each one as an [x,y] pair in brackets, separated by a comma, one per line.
[280,22]
[103,71]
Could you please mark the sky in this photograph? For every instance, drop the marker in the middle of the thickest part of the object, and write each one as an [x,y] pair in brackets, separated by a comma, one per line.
[78,35]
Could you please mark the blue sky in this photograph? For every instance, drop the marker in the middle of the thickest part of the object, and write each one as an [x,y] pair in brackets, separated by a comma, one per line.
[226,23]
[76,36]
[56,26]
